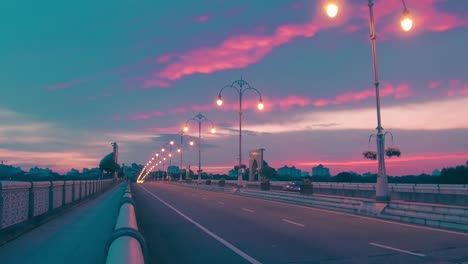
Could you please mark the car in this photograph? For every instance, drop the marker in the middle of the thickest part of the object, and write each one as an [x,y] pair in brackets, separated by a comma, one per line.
[293,186]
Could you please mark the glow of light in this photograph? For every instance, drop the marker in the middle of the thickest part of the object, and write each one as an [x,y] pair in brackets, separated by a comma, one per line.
[171,142]
[332,10]
[157,154]
[163,149]
[152,158]
[179,150]
[260,105]
[213,130]
[191,143]
[219,102]
[406,23]
[185,128]
[170,154]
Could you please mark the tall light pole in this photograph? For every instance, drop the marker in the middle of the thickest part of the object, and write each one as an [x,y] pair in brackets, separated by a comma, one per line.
[241,87]
[180,150]
[382,191]
[200,119]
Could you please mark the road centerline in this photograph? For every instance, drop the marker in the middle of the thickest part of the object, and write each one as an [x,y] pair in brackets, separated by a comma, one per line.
[397,249]
[248,210]
[293,223]
[204,229]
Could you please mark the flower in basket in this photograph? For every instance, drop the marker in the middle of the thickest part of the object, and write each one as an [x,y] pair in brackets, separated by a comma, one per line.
[391,151]
[369,154]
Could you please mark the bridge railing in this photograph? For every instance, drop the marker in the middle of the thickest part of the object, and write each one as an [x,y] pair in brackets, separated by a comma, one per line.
[395,187]
[24,201]
[127,245]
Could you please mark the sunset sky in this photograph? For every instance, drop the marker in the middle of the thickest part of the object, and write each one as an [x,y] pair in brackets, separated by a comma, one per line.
[78,75]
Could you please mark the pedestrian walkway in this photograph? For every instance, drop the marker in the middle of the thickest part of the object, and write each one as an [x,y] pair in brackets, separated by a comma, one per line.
[78,236]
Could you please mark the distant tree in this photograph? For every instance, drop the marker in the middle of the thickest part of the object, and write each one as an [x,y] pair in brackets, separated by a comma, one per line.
[266,173]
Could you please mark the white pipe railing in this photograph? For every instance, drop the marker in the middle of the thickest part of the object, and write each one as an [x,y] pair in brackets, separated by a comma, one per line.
[127,245]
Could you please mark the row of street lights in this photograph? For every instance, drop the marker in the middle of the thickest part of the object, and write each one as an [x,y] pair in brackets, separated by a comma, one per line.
[241,86]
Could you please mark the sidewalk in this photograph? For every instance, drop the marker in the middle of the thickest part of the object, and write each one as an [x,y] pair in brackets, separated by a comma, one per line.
[77,236]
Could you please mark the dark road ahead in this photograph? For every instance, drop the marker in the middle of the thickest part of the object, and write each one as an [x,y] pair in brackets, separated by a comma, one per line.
[184,225]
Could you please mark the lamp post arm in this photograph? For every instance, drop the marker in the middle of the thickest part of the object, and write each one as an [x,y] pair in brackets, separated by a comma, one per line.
[257,91]
[229,86]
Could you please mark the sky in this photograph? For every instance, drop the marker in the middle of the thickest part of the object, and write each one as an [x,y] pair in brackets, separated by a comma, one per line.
[76,76]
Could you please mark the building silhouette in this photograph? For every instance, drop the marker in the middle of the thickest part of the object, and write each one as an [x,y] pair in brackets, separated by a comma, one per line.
[320,170]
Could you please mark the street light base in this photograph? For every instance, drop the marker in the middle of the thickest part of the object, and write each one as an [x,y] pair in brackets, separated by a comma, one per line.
[382,199]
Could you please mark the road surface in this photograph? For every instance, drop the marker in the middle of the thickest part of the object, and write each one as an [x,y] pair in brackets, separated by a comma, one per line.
[184,225]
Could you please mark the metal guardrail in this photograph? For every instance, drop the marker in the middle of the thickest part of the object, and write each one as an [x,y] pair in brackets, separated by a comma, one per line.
[126,245]
[459,189]
[23,201]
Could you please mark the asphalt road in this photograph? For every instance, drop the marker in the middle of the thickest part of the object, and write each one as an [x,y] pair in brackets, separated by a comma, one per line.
[184,225]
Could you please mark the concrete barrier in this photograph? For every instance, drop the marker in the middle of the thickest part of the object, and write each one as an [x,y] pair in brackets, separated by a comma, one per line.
[14,203]
[24,201]
[127,245]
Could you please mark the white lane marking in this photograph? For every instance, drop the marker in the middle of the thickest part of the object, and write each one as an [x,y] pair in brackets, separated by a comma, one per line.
[397,249]
[292,222]
[204,229]
[248,210]
[358,216]
[220,202]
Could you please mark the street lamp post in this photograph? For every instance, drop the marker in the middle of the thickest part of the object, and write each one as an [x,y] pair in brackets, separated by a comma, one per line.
[382,191]
[180,149]
[200,119]
[240,86]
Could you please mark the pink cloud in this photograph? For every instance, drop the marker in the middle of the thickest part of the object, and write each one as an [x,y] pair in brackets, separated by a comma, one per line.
[400,91]
[434,84]
[455,83]
[202,19]
[144,116]
[235,52]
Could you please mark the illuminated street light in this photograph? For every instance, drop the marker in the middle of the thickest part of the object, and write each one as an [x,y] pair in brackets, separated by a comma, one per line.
[331,9]
[199,118]
[382,191]
[241,86]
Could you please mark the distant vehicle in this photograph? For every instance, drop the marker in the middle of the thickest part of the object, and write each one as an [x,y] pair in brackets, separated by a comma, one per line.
[293,186]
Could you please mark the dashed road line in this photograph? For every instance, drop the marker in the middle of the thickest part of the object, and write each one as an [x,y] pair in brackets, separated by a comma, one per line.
[248,210]
[397,249]
[293,223]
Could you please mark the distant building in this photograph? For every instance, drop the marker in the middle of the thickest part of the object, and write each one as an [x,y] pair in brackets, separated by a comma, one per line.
[289,171]
[320,170]
[305,174]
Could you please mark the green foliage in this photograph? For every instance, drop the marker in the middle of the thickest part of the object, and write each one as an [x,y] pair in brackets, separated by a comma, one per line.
[369,154]
[267,173]
[390,152]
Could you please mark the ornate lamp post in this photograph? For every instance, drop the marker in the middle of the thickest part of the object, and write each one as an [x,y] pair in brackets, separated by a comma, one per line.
[382,192]
[180,150]
[199,118]
[241,87]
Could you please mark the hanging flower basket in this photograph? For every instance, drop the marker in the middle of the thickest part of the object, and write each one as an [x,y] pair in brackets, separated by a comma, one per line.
[236,167]
[369,154]
[390,152]
[243,166]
